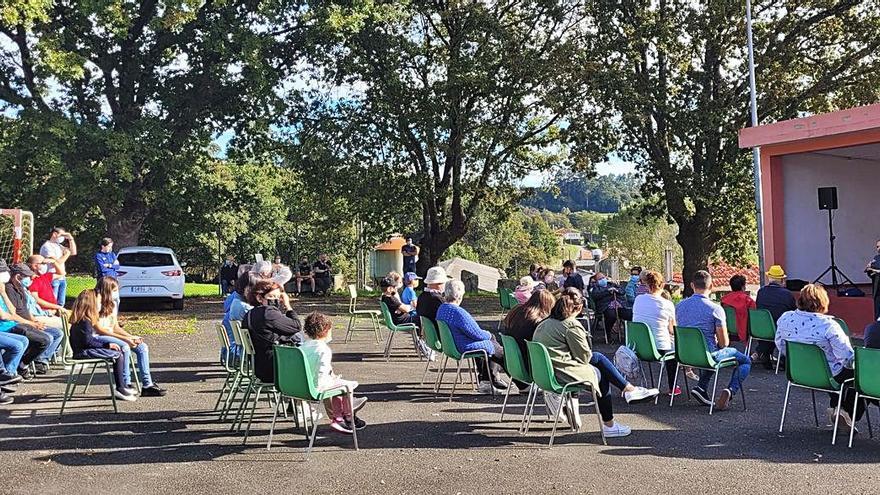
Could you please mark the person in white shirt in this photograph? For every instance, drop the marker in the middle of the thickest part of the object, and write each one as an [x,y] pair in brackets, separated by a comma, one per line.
[318,334]
[810,324]
[55,250]
[658,313]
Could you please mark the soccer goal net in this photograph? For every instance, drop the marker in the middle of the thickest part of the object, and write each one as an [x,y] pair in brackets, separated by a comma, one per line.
[16,235]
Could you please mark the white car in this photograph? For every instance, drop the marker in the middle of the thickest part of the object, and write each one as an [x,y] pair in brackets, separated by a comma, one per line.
[150,272]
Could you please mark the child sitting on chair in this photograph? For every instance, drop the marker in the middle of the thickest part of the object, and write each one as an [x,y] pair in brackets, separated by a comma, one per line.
[318,333]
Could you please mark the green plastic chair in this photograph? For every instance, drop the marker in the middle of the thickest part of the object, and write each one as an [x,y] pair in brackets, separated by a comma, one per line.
[452,352]
[294,380]
[730,318]
[844,327]
[807,367]
[866,383]
[518,370]
[505,296]
[691,350]
[67,360]
[255,386]
[542,373]
[761,327]
[409,328]
[354,314]
[640,339]
[223,339]
[432,340]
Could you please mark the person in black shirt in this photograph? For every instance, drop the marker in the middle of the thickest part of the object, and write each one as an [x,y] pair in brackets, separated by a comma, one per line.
[271,321]
[521,322]
[228,275]
[321,270]
[432,297]
[873,271]
[776,299]
[572,277]
[410,251]
[304,272]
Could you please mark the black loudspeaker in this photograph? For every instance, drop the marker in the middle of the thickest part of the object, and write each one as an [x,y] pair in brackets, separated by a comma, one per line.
[827,198]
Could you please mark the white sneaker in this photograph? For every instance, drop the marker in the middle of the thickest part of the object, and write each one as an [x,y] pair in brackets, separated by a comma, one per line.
[574,414]
[486,388]
[616,430]
[131,391]
[640,393]
[553,403]
[512,389]
[124,396]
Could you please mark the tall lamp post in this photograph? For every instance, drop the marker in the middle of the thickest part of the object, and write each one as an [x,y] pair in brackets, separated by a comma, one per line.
[756,151]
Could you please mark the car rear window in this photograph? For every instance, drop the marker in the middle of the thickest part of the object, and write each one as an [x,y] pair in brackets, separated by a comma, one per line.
[145,259]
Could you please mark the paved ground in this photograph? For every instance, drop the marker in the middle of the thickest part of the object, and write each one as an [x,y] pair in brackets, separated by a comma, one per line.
[415,443]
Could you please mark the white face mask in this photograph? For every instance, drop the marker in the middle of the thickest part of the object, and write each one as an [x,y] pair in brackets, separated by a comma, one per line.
[99,307]
[115,294]
[42,269]
[4,277]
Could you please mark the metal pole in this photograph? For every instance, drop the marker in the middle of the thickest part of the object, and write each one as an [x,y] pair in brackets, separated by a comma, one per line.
[756,151]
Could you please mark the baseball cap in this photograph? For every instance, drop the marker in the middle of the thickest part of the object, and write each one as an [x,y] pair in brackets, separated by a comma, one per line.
[410,276]
[22,269]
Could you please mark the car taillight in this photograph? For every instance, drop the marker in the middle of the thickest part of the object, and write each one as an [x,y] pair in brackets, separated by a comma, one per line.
[119,274]
[172,273]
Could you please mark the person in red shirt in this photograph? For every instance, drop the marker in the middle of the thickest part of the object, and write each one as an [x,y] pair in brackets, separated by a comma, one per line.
[741,302]
[41,285]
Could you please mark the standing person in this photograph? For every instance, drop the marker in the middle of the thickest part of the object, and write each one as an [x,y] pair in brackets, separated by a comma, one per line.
[410,254]
[572,277]
[106,263]
[54,248]
[304,272]
[632,285]
[321,269]
[773,297]
[658,313]
[699,311]
[17,293]
[431,298]
[741,302]
[85,345]
[873,271]
[228,274]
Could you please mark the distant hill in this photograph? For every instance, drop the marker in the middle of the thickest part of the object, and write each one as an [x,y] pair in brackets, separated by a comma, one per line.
[604,193]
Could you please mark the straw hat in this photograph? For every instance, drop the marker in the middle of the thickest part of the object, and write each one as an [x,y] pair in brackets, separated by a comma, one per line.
[776,271]
[436,275]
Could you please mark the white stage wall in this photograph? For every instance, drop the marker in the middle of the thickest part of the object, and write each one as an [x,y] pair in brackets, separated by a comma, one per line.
[856,222]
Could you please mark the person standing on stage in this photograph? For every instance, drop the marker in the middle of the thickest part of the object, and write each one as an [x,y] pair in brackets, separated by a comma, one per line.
[873,271]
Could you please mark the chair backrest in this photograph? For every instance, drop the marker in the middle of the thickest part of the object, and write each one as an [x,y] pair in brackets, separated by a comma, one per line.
[730,315]
[843,326]
[541,367]
[867,369]
[504,297]
[805,364]
[352,298]
[761,324]
[640,337]
[67,351]
[511,300]
[386,316]
[293,375]
[513,360]
[432,337]
[446,341]
[223,338]
[691,348]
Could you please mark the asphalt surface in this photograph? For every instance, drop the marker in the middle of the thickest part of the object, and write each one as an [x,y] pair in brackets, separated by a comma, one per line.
[414,442]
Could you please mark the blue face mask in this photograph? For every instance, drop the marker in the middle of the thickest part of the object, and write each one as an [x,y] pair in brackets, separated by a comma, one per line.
[634,278]
[603,282]
[26,282]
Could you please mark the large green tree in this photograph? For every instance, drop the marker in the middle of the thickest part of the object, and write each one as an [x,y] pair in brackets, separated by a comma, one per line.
[110,104]
[453,100]
[679,83]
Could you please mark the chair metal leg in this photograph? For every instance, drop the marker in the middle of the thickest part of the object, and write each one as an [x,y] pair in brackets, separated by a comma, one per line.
[68,389]
[455,383]
[556,422]
[348,333]
[312,437]
[504,404]
[675,382]
[247,430]
[112,381]
[852,427]
[785,406]
[837,416]
[388,346]
[280,405]
[815,412]
[714,387]
[533,392]
[778,361]
[224,389]
[531,411]
[354,433]
[439,381]
[91,376]
[749,347]
[660,380]
[425,375]
[489,374]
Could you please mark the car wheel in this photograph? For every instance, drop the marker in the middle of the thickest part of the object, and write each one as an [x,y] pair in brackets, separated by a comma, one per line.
[177,303]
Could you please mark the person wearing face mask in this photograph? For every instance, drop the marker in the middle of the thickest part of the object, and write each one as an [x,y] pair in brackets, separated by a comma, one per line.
[54,248]
[546,280]
[632,285]
[608,299]
[572,277]
[41,284]
[271,321]
[106,263]
[17,293]
[108,330]
[36,340]
[873,271]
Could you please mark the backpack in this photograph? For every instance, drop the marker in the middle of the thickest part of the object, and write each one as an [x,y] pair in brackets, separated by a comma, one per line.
[626,361]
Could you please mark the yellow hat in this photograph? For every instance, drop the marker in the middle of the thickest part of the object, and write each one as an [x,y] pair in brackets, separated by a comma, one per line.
[776,271]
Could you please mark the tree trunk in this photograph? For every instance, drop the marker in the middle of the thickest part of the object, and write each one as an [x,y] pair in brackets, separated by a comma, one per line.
[696,250]
[124,226]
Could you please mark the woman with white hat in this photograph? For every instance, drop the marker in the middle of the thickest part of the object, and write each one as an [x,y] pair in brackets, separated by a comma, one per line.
[525,288]
[432,297]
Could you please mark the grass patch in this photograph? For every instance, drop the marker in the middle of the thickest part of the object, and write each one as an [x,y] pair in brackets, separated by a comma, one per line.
[79,283]
[160,325]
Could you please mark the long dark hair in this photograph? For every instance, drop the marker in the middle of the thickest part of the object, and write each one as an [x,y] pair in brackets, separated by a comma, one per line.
[535,309]
[570,303]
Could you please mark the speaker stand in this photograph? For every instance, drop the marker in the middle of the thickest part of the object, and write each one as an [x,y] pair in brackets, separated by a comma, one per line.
[833,269]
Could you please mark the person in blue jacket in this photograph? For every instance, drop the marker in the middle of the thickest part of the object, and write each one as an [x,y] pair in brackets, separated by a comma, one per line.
[105,260]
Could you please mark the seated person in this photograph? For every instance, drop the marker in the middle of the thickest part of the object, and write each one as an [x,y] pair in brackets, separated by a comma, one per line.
[17,291]
[408,296]
[777,299]
[318,333]
[547,280]
[41,285]
[872,335]
[699,311]
[12,349]
[304,272]
[321,270]
[403,314]
[658,313]
[431,298]
[741,302]
[11,321]
[271,321]
[468,336]
[6,391]
[632,285]
[534,270]
[572,277]
[237,309]
[524,290]
[109,331]
[810,324]
[573,360]
[85,345]
[521,321]
[609,300]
